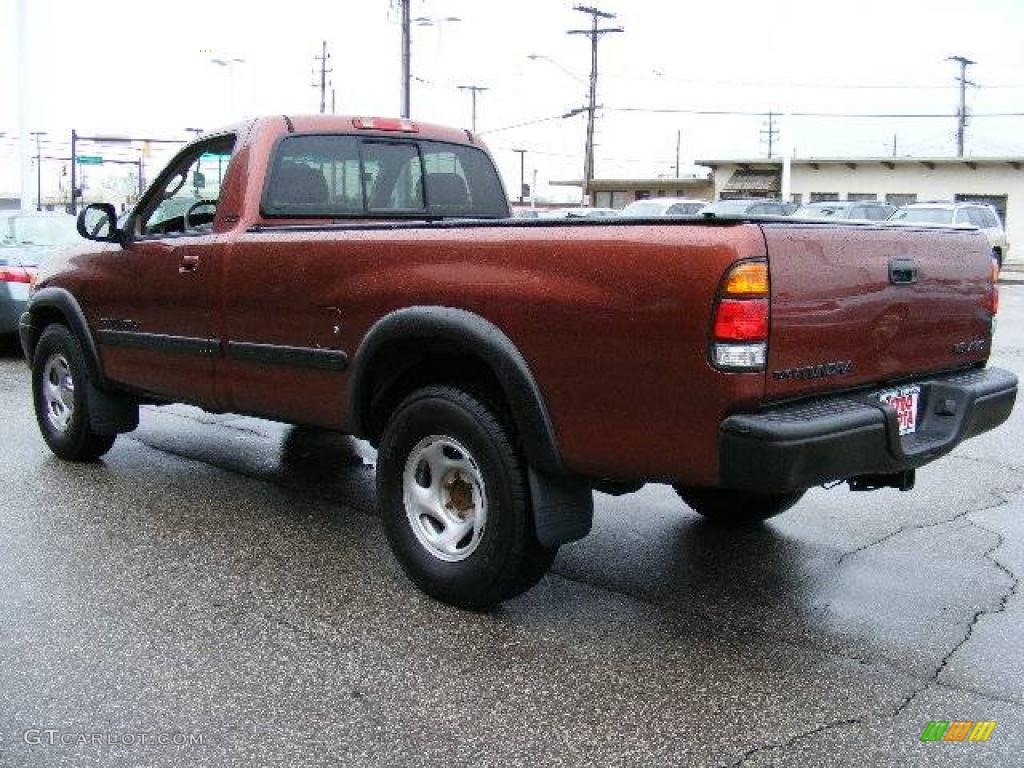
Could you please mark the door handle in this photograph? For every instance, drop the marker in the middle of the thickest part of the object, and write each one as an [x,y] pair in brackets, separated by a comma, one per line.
[189,263]
[902,270]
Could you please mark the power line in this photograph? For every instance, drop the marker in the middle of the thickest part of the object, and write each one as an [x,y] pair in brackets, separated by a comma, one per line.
[748,113]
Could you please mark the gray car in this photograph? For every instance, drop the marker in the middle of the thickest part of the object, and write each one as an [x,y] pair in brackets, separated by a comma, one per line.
[25,239]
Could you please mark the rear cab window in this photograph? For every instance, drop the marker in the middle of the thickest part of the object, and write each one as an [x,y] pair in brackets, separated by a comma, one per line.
[342,176]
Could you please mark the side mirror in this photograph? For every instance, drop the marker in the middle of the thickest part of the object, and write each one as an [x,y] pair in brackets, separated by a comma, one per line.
[98,221]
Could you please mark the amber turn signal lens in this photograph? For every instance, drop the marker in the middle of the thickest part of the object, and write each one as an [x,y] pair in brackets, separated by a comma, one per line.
[747,279]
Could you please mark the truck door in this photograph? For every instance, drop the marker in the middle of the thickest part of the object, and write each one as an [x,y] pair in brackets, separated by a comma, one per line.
[155,324]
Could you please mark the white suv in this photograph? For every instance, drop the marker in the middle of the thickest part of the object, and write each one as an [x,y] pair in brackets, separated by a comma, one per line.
[980,215]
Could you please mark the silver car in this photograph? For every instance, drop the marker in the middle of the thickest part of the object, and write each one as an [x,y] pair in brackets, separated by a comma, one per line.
[25,239]
[981,215]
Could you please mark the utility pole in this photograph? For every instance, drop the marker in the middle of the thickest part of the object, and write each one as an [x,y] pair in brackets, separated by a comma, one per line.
[39,171]
[324,58]
[770,133]
[406,58]
[72,208]
[961,115]
[473,91]
[522,174]
[679,141]
[594,33]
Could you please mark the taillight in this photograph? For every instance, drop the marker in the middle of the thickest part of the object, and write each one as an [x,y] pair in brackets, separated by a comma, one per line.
[995,287]
[739,333]
[12,274]
[385,124]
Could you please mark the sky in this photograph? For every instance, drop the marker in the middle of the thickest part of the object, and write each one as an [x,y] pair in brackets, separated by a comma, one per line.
[143,68]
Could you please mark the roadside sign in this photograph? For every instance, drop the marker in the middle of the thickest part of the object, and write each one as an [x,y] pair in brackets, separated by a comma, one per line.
[90,160]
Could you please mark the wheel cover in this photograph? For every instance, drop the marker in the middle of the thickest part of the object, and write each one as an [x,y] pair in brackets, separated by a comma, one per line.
[58,392]
[445,498]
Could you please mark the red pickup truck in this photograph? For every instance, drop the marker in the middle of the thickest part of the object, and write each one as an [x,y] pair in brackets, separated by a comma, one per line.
[363,275]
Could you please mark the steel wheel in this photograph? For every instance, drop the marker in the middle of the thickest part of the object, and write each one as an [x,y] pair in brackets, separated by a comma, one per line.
[58,391]
[445,498]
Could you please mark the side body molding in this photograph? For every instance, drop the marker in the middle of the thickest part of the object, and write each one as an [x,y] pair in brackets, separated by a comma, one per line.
[479,338]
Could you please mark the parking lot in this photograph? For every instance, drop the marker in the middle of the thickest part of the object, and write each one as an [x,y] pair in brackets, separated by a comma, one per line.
[225,578]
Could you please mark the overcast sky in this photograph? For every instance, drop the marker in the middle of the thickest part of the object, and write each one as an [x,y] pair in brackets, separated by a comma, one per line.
[144,68]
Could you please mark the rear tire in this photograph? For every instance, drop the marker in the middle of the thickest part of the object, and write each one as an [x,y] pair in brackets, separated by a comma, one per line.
[455,501]
[60,382]
[737,508]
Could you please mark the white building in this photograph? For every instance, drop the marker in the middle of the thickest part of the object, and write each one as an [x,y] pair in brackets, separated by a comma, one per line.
[899,180]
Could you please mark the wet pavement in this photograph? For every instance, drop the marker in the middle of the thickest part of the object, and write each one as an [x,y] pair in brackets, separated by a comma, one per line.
[225,580]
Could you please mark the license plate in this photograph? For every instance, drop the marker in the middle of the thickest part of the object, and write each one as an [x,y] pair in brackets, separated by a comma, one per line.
[904,401]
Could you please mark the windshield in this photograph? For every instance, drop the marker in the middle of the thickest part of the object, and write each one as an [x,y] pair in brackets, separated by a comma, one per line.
[40,230]
[924,215]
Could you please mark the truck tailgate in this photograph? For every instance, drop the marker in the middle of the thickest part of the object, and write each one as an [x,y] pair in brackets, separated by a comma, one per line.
[844,312]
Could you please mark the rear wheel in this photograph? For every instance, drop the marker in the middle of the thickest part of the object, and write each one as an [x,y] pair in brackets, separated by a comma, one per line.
[60,381]
[730,507]
[455,502]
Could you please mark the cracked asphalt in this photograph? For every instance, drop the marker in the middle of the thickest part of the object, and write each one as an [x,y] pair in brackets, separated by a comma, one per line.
[227,578]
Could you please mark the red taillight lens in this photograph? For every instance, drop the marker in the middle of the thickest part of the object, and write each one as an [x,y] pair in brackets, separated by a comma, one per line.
[11,274]
[741,320]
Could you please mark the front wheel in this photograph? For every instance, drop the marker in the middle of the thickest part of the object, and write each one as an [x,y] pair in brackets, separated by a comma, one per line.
[60,381]
[455,502]
[730,507]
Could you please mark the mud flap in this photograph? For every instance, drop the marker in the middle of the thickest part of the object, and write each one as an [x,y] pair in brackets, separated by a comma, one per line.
[111,414]
[563,507]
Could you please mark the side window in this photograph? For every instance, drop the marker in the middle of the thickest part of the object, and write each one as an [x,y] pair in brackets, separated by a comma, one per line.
[192,187]
[963,216]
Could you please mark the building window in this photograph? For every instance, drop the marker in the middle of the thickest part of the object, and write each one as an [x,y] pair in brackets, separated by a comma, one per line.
[824,197]
[620,199]
[642,194]
[603,199]
[858,197]
[901,199]
[797,197]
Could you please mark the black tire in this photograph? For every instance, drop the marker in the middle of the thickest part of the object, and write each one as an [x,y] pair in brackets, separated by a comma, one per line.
[736,508]
[504,558]
[76,441]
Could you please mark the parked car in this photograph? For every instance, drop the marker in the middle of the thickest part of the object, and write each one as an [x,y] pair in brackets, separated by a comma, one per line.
[980,215]
[663,206]
[754,207]
[580,212]
[25,239]
[505,369]
[862,210]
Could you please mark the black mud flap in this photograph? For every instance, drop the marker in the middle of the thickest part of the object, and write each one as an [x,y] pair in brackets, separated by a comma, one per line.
[563,507]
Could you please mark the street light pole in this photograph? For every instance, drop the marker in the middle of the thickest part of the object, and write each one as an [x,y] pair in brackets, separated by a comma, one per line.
[594,33]
[39,171]
[522,174]
[473,91]
[406,59]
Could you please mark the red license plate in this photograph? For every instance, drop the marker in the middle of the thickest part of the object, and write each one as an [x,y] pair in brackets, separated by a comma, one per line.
[904,401]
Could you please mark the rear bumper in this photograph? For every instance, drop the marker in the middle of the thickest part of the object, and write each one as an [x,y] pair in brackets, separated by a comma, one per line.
[834,438]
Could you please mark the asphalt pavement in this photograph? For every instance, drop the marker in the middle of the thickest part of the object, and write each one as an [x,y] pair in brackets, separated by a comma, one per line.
[217,591]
